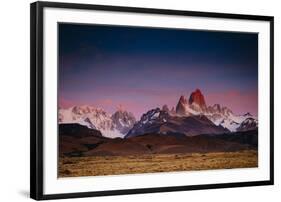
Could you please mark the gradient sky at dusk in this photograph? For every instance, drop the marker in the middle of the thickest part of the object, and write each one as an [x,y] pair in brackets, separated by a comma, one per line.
[143,68]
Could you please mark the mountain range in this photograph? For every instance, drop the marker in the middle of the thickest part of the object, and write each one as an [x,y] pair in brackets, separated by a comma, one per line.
[219,115]
[115,125]
[190,117]
[76,140]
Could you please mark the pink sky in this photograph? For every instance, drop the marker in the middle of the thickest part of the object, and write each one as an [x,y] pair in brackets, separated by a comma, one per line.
[238,102]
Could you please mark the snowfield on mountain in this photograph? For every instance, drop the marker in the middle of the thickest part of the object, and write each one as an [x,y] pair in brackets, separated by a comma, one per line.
[113,126]
[189,117]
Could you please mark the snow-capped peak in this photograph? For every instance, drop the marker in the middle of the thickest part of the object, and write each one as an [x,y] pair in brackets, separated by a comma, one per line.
[248,124]
[248,114]
[123,120]
[97,118]
[220,115]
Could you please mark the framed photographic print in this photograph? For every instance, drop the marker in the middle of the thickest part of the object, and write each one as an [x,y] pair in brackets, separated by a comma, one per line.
[136,100]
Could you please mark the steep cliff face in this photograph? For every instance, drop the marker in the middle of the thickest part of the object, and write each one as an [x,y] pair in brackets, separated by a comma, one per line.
[197,99]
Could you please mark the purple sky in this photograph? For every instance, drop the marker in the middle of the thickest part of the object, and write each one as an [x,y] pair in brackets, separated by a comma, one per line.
[142,68]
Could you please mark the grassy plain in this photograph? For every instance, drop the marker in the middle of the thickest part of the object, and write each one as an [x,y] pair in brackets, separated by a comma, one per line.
[116,165]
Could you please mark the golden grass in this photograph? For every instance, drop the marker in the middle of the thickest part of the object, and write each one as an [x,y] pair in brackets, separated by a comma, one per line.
[116,165]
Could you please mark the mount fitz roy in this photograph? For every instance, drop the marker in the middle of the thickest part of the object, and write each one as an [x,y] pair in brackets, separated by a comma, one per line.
[190,117]
[219,115]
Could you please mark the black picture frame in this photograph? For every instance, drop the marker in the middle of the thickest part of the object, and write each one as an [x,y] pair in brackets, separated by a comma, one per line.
[37,99]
